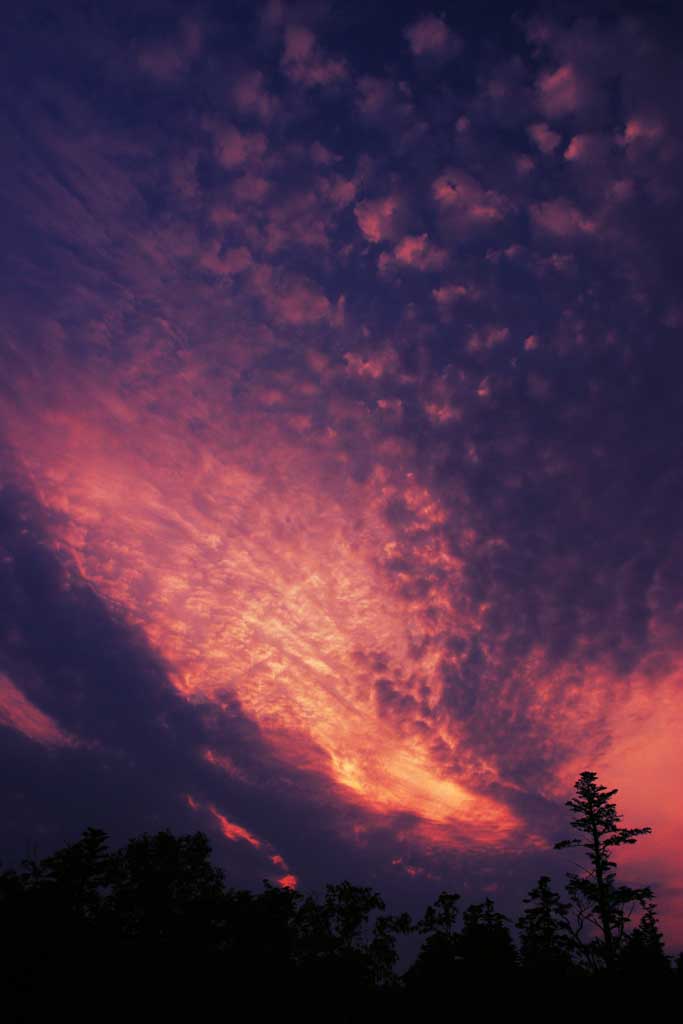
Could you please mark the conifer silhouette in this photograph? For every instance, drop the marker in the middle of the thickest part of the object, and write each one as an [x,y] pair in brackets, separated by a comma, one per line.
[545,933]
[597,898]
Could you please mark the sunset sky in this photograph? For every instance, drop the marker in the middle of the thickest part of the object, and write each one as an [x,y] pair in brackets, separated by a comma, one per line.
[341,435]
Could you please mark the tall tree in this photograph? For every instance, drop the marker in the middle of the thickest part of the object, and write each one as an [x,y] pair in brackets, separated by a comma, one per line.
[597,898]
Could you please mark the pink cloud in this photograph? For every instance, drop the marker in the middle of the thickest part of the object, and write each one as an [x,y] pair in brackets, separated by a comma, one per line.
[644,130]
[381,97]
[302,304]
[560,92]
[577,148]
[467,202]
[225,262]
[294,300]
[510,252]
[560,262]
[321,155]
[250,96]
[430,36]
[621,190]
[560,217]
[377,217]
[233,147]
[17,712]
[587,148]
[304,62]
[545,138]
[250,188]
[373,94]
[167,60]
[237,833]
[374,366]
[301,218]
[234,832]
[487,337]
[414,251]
[449,294]
[524,164]
[183,174]
[223,215]
[339,191]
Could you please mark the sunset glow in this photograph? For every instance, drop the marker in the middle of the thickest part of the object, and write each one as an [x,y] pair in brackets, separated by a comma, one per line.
[340,476]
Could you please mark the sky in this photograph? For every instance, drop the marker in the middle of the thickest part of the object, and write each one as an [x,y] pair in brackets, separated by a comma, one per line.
[340,435]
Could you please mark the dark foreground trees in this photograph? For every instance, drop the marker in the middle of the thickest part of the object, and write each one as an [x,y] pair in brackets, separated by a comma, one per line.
[157,917]
[546,942]
[643,950]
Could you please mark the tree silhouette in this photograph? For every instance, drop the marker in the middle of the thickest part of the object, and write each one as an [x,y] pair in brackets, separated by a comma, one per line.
[155,917]
[161,886]
[546,939]
[643,951]
[338,944]
[485,944]
[440,953]
[596,897]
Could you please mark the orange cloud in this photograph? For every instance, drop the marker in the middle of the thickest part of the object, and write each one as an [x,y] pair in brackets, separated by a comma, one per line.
[242,565]
[233,831]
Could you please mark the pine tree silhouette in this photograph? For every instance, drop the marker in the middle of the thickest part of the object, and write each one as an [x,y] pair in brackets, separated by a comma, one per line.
[546,940]
[595,894]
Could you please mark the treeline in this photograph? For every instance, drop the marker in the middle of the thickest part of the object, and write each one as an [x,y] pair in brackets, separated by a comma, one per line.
[154,921]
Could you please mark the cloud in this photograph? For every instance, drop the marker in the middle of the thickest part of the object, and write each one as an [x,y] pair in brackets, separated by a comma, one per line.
[290,299]
[322,155]
[385,101]
[545,138]
[250,188]
[17,712]
[449,293]
[430,36]
[466,204]
[224,261]
[414,251]
[167,60]
[234,148]
[561,218]
[587,148]
[560,92]
[305,63]
[377,218]
[251,97]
